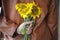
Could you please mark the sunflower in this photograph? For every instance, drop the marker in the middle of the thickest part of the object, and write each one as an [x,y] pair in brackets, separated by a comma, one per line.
[21,8]
[26,12]
[36,11]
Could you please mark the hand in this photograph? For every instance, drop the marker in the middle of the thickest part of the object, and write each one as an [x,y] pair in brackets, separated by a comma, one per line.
[22,26]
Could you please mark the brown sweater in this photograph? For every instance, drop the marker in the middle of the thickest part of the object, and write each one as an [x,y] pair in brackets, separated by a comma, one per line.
[46,25]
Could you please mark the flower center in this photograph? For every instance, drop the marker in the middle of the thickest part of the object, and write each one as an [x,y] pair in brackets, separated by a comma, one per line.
[34,10]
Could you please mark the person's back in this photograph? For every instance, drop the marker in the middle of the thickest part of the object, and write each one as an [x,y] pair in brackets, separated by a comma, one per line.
[46,25]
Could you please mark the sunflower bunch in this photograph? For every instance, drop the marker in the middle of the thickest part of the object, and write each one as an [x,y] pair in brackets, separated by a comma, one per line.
[28,9]
[29,12]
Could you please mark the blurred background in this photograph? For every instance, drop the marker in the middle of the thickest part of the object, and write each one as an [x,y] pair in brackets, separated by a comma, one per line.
[1,10]
[58,3]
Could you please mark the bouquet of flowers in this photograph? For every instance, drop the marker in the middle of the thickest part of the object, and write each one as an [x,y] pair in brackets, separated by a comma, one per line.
[29,12]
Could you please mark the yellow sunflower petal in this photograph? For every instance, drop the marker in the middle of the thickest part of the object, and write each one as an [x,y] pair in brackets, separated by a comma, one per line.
[25,16]
[33,16]
[16,7]
[38,16]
